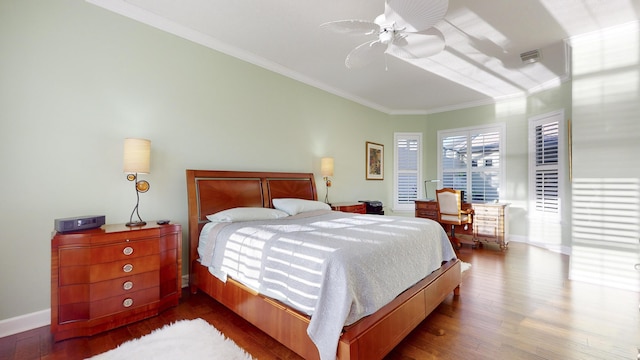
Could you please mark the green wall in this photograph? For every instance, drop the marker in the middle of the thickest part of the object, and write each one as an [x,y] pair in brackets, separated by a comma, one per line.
[77,79]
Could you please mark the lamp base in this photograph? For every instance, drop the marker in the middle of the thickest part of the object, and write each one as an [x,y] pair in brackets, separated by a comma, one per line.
[136,223]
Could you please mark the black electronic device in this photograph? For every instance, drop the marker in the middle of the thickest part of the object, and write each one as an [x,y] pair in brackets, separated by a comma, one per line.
[162,222]
[373,206]
[79,223]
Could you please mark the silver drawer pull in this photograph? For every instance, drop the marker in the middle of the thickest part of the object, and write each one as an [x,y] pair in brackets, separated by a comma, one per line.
[127,302]
[128,285]
[127,268]
[127,251]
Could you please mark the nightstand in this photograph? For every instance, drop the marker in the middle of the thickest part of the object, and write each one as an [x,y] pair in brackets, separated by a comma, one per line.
[350,207]
[490,222]
[112,276]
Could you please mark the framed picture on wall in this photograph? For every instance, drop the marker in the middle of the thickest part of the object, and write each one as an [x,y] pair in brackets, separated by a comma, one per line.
[375,161]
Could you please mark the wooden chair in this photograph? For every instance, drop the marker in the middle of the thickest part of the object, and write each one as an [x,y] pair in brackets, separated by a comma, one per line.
[450,212]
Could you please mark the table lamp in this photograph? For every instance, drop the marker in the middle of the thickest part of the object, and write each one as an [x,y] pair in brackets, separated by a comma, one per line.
[137,155]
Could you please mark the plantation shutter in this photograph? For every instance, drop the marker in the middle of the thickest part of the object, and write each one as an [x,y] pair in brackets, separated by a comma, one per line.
[485,165]
[546,168]
[454,162]
[470,161]
[407,149]
[407,169]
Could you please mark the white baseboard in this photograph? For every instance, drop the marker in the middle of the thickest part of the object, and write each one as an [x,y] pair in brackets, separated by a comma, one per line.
[40,318]
[25,322]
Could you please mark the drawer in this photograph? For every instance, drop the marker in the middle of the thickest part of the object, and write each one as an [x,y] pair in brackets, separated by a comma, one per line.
[168,242]
[426,206]
[486,220]
[73,312]
[132,234]
[73,294]
[430,214]
[127,267]
[124,250]
[69,275]
[487,210]
[486,231]
[124,302]
[169,280]
[74,256]
[124,285]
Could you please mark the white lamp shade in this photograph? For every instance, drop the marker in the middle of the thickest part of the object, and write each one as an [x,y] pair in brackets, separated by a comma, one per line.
[137,155]
[326,166]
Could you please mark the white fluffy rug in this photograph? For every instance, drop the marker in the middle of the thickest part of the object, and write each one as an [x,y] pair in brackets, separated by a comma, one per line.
[186,339]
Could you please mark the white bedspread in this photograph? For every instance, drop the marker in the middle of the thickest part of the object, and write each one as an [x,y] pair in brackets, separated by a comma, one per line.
[337,267]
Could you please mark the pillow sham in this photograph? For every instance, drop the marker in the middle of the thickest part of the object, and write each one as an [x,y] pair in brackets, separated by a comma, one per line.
[246,214]
[296,206]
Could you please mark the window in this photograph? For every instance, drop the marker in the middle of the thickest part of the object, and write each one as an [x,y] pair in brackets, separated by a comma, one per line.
[407,170]
[545,160]
[471,160]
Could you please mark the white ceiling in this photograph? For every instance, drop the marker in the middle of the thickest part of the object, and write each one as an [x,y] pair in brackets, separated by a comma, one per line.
[480,64]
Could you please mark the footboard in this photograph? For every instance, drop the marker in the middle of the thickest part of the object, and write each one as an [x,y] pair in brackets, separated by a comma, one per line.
[376,335]
[282,323]
[370,338]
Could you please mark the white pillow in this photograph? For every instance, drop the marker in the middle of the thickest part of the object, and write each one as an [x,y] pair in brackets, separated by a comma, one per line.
[296,206]
[246,214]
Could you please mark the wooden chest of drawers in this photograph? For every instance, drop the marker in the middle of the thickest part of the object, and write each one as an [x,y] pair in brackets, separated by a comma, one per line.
[490,224]
[111,276]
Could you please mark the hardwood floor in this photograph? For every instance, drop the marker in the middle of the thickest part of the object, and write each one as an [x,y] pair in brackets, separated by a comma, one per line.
[516,304]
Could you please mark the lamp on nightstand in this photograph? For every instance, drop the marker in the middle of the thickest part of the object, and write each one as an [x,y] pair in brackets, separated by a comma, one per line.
[137,154]
[326,170]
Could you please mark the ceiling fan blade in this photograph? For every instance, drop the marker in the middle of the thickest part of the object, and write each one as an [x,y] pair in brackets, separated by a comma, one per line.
[357,27]
[415,15]
[417,45]
[364,54]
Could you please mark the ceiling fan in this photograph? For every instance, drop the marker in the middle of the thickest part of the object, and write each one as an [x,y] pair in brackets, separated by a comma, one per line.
[405,30]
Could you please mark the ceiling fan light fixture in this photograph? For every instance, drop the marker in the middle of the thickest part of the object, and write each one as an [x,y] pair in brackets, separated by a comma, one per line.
[386,36]
[405,30]
[530,57]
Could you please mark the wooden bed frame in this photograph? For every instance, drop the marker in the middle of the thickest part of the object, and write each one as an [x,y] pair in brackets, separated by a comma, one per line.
[372,337]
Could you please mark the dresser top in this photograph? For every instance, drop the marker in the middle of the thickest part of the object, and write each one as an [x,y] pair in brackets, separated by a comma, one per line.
[111,228]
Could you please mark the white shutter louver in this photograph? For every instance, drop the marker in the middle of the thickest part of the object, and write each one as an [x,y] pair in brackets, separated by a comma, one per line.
[546,168]
[407,169]
[470,161]
[407,151]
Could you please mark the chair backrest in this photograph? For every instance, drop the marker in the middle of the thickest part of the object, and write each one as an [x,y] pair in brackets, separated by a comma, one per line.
[449,201]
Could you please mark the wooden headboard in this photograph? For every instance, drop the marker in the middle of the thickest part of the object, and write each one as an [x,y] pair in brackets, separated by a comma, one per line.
[210,191]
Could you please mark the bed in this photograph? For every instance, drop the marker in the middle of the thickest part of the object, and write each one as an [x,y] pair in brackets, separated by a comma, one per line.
[371,337]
